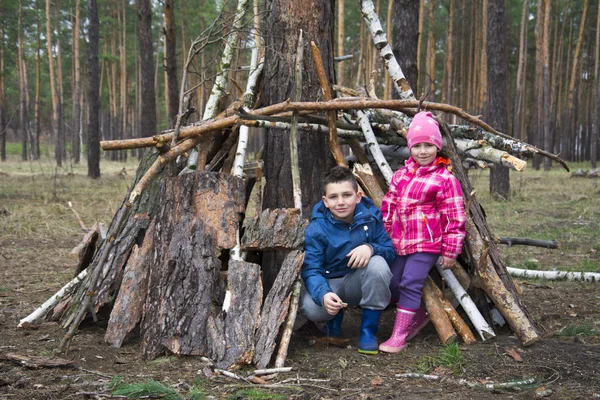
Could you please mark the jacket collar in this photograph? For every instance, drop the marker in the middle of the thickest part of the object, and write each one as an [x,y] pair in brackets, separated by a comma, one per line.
[439,163]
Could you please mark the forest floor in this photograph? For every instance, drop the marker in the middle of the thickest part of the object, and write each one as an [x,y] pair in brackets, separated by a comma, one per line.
[38,231]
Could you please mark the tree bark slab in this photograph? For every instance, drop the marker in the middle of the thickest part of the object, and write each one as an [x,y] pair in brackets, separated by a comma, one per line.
[197,220]
[276,307]
[277,229]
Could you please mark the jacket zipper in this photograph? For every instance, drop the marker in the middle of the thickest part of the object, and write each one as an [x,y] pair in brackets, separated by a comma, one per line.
[427,226]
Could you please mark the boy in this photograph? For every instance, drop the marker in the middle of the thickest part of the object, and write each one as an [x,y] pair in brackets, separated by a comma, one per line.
[347,257]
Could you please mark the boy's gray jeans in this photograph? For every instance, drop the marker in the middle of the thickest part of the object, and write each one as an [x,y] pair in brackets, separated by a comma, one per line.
[367,287]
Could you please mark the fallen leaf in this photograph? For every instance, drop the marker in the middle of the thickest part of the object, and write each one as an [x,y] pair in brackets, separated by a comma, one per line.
[257,380]
[377,381]
[514,354]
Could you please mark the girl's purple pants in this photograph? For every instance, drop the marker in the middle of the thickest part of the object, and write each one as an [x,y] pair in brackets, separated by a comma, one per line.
[409,274]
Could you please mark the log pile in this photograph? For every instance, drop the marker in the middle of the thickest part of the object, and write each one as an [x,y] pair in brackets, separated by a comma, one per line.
[173,259]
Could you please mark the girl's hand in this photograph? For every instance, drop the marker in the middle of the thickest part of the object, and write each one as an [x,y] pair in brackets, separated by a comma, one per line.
[448,263]
[360,256]
[332,303]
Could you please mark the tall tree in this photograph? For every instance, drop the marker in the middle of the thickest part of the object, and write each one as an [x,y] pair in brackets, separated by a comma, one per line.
[23,96]
[448,79]
[76,118]
[171,61]
[596,109]
[521,72]
[497,70]
[53,90]
[148,95]
[284,20]
[430,54]
[93,92]
[341,32]
[405,34]
[547,119]
[2,108]
[568,127]
[38,81]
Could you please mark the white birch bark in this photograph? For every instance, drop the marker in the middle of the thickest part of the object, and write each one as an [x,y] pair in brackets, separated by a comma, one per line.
[555,275]
[240,155]
[385,51]
[374,149]
[53,300]
[483,329]
[480,150]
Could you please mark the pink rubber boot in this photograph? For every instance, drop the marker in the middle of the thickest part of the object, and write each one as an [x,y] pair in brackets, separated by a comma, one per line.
[397,342]
[419,322]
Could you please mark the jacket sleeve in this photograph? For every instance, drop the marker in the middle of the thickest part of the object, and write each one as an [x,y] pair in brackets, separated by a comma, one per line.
[389,202]
[313,266]
[451,207]
[382,244]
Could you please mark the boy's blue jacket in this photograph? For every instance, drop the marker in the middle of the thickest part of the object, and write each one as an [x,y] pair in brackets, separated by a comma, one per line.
[327,240]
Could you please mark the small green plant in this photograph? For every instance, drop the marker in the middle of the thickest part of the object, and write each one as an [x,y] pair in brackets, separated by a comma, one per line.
[150,388]
[450,357]
[254,394]
[529,263]
[425,364]
[162,360]
[572,330]
[197,393]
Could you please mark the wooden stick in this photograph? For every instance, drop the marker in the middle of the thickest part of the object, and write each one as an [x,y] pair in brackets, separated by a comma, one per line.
[437,315]
[459,324]
[510,241]
[83,227]
[331,117]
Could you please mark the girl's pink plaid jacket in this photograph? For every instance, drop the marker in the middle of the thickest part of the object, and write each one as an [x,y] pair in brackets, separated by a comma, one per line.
[423,211]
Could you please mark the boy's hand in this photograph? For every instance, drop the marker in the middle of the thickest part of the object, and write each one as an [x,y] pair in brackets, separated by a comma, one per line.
[360,256]
[448,263]
[332,303]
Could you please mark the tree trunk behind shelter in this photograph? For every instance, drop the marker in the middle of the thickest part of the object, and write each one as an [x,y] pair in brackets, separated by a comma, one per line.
[284,19]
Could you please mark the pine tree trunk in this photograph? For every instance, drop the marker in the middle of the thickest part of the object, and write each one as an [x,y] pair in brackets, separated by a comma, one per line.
[596,108]
[148,95]
[94,92]
[2,118]
[497,82]
[547,120]
[405,33]
[284,20]
[521,73]
[448,73]
[430,62]
[171,61]
[76,98]
[340,40]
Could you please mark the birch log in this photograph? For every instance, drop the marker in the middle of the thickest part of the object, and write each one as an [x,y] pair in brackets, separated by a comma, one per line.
[482,151]
[385,51]
[555,275]
[52,301]
[374,149]
[483,329]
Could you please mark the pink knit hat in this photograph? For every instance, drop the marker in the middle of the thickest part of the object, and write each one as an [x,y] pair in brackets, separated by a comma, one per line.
[424,129]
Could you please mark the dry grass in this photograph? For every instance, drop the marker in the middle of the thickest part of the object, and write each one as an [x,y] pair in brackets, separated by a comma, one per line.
[547,205]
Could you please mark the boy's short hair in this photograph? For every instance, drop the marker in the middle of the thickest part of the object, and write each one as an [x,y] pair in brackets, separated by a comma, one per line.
[339,174]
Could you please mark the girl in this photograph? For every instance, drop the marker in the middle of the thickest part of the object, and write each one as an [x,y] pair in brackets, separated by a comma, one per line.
[423,212]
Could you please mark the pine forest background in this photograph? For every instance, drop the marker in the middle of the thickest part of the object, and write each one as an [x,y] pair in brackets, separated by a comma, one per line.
[552,57]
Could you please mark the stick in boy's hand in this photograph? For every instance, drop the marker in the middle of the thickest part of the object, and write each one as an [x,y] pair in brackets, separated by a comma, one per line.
[332,303]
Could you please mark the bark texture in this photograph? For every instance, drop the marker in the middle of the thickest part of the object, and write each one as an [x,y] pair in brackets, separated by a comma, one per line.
[274,230]
[497,83]
[405,38]
[197,220]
